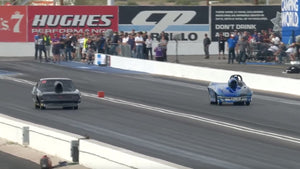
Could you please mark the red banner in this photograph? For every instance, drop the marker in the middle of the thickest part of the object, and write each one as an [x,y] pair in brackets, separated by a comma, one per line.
[64,19]
[13,24]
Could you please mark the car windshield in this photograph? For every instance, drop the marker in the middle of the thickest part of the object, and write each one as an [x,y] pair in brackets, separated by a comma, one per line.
[48,85]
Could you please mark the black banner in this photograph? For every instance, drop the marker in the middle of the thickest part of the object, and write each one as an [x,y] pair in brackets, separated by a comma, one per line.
[226,19]
[127,13]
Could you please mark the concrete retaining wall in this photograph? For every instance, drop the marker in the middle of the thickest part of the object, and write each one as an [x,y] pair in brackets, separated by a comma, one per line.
[41,138]
[92,154]
[92,150]
[8,49]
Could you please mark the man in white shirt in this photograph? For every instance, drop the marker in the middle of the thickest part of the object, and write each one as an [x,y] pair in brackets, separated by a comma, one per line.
[275,39]
[139,45]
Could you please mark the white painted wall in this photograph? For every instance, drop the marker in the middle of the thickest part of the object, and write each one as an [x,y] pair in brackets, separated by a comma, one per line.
[11,130]
[44,139]
[8,49]
[90,151]
[92,154]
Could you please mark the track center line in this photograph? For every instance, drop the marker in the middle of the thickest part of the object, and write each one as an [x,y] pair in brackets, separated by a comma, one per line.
[179,114]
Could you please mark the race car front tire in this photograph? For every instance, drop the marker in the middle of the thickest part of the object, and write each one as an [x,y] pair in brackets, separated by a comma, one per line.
[36,105]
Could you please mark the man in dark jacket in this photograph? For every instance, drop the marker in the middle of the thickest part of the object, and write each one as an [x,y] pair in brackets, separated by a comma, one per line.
[206,43]
[41,47]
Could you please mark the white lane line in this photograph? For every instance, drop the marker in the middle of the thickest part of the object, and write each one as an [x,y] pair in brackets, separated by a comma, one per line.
[179,114]
[18,80]
[198,118]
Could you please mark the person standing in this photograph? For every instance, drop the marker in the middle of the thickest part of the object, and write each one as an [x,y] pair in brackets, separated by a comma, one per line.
[74,44]
[131,42]
[149,47]
[62,52]
[114,43]
[41,44]
[125,47]
[164,43]
[145,37]
[68,45]
[139,45]
[221,44]
[48,42]
[36,45]
[55,48]
[231,49]
[164,39]
[206,43]
[237,35]
[100,43]
[243,46]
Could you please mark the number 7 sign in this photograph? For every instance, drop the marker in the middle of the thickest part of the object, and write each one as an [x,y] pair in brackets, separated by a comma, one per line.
[13,24]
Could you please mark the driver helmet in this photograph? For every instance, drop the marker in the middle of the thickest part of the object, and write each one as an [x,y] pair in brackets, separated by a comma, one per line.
[232,83]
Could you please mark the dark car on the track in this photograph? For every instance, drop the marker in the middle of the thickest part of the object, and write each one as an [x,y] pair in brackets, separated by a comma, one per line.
[55,92]
[235,91]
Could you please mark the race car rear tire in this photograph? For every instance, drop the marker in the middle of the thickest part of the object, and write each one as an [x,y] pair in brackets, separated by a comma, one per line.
[247,103]
[42,107]
[75,107]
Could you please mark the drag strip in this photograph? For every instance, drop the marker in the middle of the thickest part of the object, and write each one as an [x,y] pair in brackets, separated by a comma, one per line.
[189,116]
[164,118]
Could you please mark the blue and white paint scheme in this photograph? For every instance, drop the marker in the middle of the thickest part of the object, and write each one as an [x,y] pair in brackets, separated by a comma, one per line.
[290,20]
[235,91]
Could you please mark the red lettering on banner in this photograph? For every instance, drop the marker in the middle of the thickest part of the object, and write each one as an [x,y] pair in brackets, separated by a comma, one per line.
[13,24]
[78,19]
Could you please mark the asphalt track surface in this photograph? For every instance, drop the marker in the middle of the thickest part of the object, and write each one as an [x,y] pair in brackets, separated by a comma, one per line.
[11,162]
[173,119]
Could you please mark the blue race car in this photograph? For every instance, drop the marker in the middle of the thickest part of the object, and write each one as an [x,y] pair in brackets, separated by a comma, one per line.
[235,91]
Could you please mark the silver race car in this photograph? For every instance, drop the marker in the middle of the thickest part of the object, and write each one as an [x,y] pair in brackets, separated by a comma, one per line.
[55,92]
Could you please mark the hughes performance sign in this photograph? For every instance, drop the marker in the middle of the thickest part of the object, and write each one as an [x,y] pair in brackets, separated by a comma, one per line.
[64,19]
[243,18]
[185,22]
[13,24]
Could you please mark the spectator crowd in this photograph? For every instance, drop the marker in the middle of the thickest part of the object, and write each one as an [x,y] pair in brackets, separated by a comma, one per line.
[265,46]
[241,46]
[70,46]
